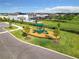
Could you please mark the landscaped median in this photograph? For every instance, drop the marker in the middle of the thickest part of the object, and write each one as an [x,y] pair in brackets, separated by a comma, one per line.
[12,28]
[68,44]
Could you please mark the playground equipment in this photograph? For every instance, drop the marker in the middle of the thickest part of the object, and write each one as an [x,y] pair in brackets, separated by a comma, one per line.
[40,29]
[41,32]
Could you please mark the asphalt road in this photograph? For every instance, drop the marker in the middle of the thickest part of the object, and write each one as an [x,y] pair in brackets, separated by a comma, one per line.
[2,25]
[11,48]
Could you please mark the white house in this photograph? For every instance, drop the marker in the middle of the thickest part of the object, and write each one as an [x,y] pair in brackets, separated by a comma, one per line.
[18,17]
[25,18]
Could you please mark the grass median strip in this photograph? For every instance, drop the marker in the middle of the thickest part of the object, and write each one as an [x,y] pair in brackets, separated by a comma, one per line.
[12,28]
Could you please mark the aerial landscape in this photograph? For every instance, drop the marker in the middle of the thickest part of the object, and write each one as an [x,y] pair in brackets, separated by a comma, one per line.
[39,29]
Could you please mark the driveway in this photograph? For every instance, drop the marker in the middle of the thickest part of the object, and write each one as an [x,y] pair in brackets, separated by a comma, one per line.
[11,48]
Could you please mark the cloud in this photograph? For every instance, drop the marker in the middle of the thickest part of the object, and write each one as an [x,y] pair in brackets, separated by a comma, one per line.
[61,9]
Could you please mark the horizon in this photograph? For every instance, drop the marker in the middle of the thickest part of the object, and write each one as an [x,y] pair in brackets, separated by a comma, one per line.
[44,6]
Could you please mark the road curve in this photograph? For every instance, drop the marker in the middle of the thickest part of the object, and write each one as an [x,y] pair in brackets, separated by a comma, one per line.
[11,48]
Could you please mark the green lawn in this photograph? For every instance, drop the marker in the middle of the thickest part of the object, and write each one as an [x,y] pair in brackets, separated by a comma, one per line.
[69,43]
[64,26]
[74,22]
[19,24]
[12,28]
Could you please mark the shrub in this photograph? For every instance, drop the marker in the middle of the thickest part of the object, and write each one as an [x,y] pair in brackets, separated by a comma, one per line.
[26,29]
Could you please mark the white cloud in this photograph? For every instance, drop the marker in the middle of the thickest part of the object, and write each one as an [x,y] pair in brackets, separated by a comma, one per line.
[60,9]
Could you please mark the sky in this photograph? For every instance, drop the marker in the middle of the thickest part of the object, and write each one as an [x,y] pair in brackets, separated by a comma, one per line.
[51,6]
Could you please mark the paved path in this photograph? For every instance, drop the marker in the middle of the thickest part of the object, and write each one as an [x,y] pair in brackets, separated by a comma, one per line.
[11,48]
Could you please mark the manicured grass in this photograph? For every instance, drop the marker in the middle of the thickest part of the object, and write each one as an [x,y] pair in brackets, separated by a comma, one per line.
[18,34]
[74,22]
[68,44]
[64,26]
[19,24]
[12,28]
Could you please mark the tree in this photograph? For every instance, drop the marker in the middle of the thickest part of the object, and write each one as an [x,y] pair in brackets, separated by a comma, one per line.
[57,32]
[4,19]
[10,23]
[1,19]
[26,30]
[13,20]
[36,21]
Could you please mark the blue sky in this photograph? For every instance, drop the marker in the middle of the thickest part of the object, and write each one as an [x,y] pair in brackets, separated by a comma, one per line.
[35,5]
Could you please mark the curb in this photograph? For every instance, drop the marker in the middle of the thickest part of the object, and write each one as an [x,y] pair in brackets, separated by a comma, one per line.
[43,47]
